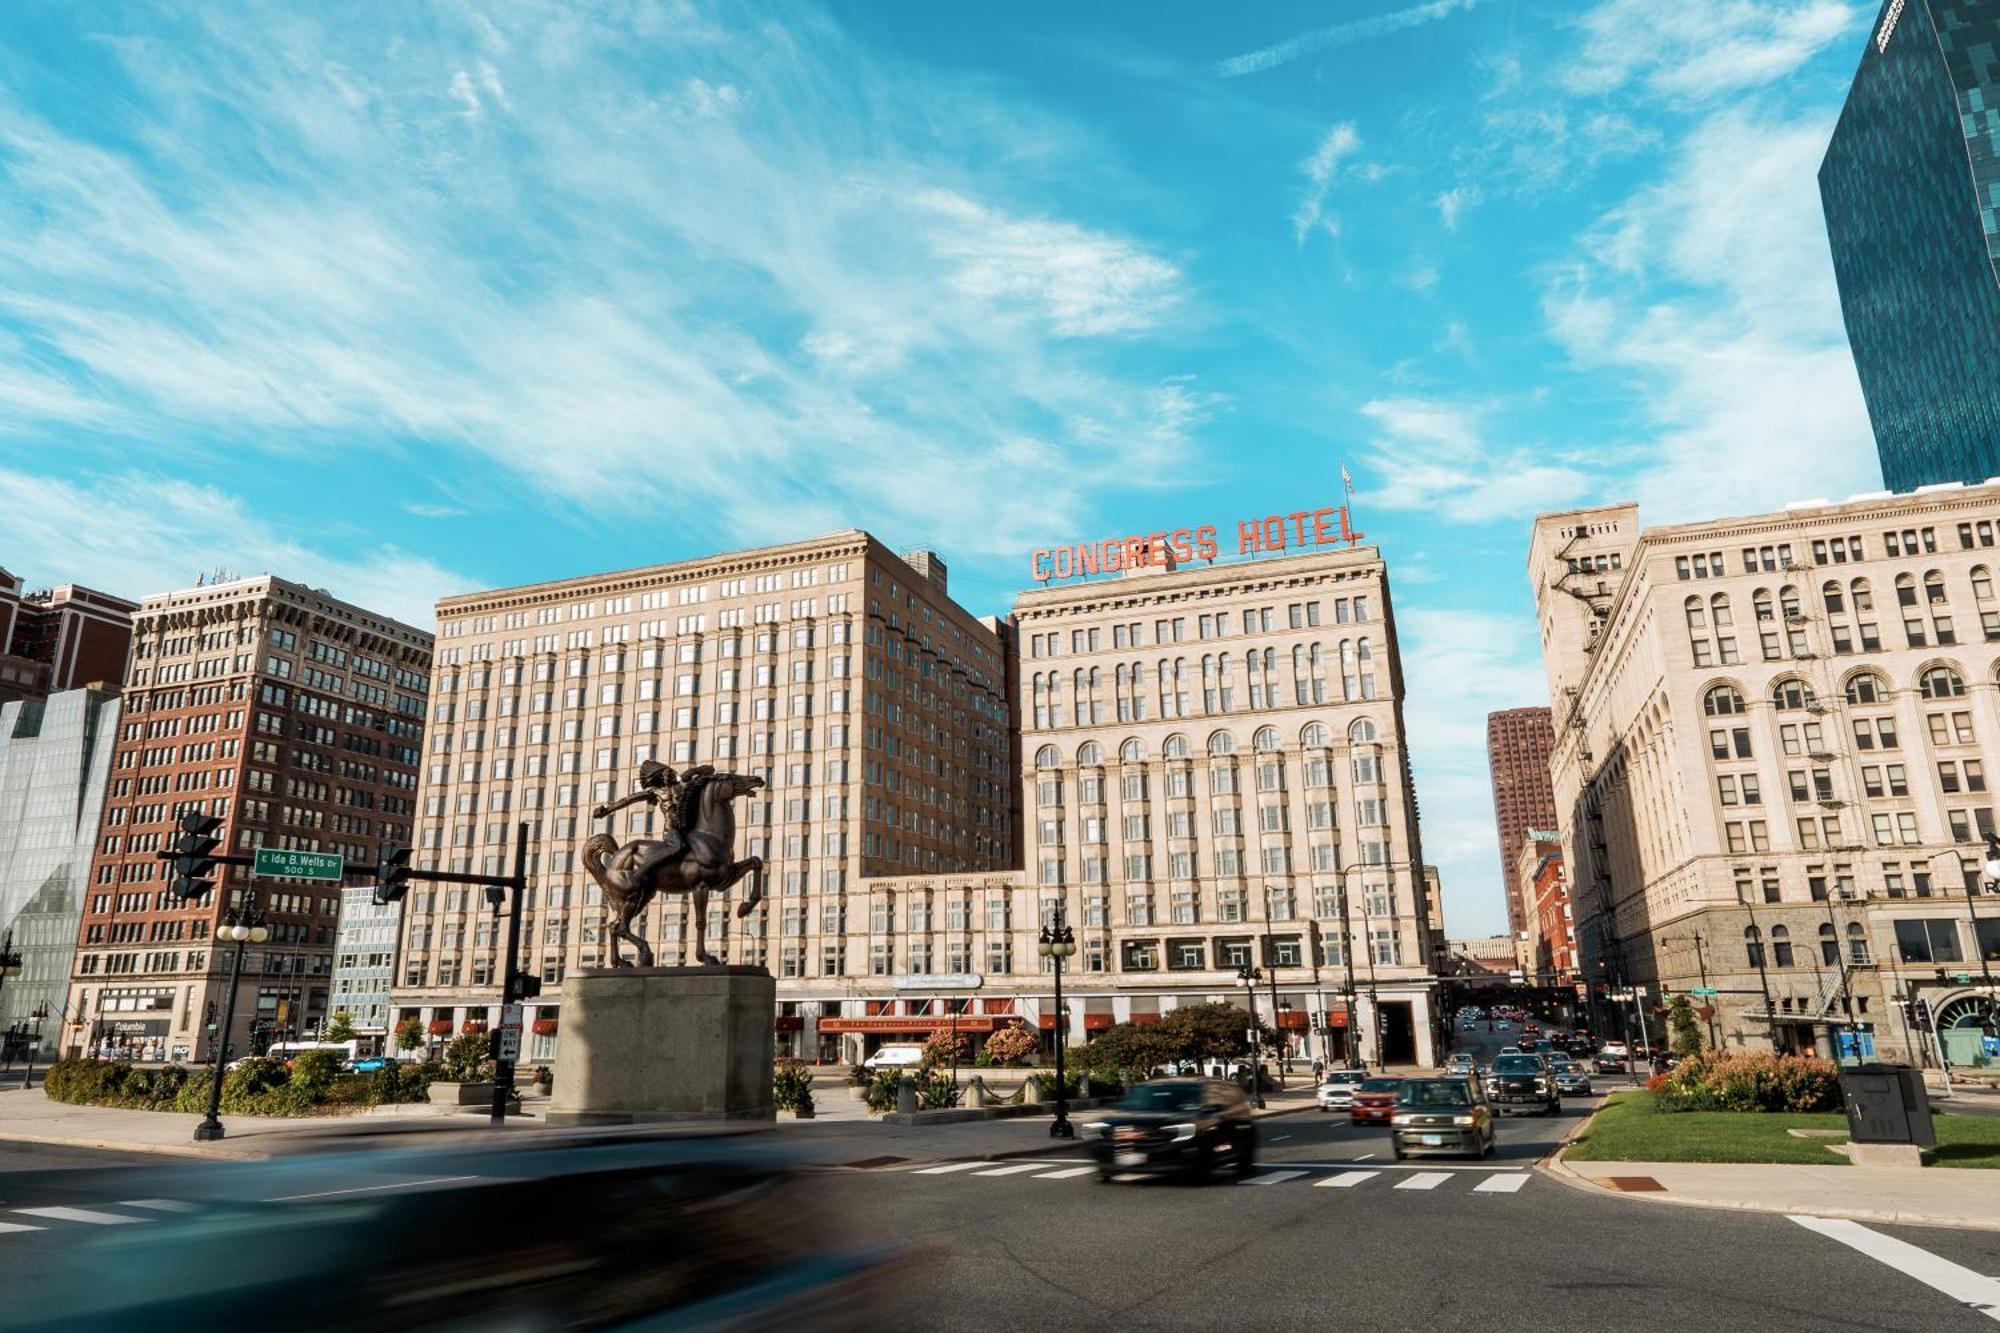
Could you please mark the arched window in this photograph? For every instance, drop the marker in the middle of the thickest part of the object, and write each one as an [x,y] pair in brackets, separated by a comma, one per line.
[1865,687]
[1221,742]
[1829,946]
[1176,746]
[1697,614]
[1314,735]
[1362,732]
[1791,693]
[1982,583]
[1265,740]
[1781,946]
[1933,587]
[1046,757]
[1834,595]
[1089,753]
[1857,943]
[1718,611]
[1132,751]
[1753,947]
[1941,682]
[1864,600]
[1722,701]
[1906,590]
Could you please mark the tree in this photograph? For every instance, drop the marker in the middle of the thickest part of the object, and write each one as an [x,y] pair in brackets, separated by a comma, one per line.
[410,1034]
[1684,1031]
[340,1027]
[1012,1044]
[1124,1052]
[1211,1032]
[939,1049]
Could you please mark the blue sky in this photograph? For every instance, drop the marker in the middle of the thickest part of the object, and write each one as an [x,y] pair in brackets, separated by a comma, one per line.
[408,300]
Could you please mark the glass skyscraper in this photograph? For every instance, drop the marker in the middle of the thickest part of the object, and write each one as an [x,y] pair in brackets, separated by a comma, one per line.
[1911,190]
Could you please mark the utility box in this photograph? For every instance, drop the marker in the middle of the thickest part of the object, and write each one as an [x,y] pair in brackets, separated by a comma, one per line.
[1887,1104]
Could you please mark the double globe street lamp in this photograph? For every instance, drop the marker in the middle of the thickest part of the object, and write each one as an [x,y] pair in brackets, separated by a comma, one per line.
[244,926]
[1057,944]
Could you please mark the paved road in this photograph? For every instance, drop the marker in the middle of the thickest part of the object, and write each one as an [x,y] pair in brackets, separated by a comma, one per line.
[1329,1229]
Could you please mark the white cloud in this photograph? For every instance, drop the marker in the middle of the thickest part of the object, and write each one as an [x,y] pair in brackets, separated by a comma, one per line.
[1459,666]
[462,92]
[136,534]
[1336,146]
[1434,457]
[1451,204]
[1712,296]
[1338,35]
[1692,52]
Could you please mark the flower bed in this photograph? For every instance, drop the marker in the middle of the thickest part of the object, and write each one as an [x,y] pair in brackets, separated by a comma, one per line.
[311,1084]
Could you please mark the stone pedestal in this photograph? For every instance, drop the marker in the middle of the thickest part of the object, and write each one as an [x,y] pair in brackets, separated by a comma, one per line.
[645,1044]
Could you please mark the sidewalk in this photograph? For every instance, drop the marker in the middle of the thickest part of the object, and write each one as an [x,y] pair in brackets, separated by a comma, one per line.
[1933,1196]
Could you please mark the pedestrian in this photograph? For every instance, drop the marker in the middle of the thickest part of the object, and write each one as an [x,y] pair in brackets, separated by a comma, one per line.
[1319,1069]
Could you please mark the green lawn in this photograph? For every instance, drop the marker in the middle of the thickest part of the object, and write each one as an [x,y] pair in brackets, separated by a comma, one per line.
[1967,1140]
[1631,1129]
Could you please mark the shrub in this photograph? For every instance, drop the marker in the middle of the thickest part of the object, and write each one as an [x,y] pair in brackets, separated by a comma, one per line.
[860,1076]
[1657,1084]
[314,1071]
[1012,1044]
[465,1060]
[791,1086]
[936,1090]
[1751,1082]
[943,1047]
[882,1092]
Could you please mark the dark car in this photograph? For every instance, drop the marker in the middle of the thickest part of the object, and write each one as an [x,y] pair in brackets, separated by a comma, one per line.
[1441,1115]
[1375,1101]
[1175,1124]
[1523,1082]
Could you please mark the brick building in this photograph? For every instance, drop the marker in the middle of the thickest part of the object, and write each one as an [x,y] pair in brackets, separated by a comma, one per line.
[60,639]
[1518,741]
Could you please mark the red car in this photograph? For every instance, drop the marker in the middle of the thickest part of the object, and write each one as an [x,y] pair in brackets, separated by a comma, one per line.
[1375,1101]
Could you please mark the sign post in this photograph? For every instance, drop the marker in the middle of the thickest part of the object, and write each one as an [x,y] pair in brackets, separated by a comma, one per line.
[281,863]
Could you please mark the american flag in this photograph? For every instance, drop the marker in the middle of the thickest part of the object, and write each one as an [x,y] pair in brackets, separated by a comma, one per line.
[1347,480]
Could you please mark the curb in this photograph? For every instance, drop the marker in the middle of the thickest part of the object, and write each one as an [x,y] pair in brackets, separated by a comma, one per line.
[121,1145]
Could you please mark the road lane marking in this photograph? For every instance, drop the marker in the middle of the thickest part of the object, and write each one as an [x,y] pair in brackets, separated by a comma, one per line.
[17,1226]
[1424,1180]
[1500,1184]
[159,1205]
[1271,1178]
[1014,1170]
[1065,1175]
[1366,1157]
[369,1189]
[1940,1274]
[1345,1179]
[946,1169]
[79,1215]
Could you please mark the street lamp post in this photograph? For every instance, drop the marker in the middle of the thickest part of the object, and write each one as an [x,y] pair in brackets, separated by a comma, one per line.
[1250,976]
[244,925]
[1058,943]
[1992,869]
[40,1015]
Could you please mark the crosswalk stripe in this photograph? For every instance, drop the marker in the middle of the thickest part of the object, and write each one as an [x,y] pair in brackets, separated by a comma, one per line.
[1500,1184]
[1010,1170]
[161,1205]
[1271,1178]
[1066,1174]
[1346,1179]
[946,1169]
[17,1226]
[79,1215]
[1424,1180]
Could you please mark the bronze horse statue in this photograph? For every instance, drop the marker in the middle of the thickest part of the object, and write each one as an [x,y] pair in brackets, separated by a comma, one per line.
[631,875]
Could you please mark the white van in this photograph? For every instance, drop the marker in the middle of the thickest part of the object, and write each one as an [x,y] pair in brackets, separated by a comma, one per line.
[895,1056]
[286,1050]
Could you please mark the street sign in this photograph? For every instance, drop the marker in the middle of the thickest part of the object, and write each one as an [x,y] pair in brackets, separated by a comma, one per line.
[1705,992]
[1639,991]
[507,1044]
[510,1015]
[1963,978]
[286,864]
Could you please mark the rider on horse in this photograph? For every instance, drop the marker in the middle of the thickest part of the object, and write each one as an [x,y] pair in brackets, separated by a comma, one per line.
[660,786]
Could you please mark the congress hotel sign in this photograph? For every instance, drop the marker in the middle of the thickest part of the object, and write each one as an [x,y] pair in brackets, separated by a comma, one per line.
[1168,549]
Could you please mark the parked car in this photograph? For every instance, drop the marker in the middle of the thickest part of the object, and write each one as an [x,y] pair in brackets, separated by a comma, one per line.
[1375,1101]
[1525,1082]
[1441,1115]
[1175,1124]
[1336,1091]
[1613,1058]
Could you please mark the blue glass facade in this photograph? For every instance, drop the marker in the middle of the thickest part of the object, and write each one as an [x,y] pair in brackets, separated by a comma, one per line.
[1911,190]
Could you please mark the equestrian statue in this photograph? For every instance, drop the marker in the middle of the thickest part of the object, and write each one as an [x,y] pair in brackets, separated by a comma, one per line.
[694,856]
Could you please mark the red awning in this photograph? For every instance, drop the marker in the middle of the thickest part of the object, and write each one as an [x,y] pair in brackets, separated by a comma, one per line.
[1293,1020]
[440,1027]
[473,1026]
[1147,1019]
[791,1024]
[1098,1022]
[545,1027]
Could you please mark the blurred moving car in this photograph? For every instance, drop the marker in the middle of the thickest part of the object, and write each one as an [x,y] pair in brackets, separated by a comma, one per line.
[1441,1115]
[1336,1090]
[1375,1101]
[1523,1081]
[577,1230]
[1175,1124]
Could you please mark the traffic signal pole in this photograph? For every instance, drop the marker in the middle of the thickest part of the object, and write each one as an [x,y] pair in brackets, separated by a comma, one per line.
[510,986]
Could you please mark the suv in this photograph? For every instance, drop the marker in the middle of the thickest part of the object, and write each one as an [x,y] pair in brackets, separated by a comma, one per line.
[1523,1081]
[1441,1115]
[1175,1124]
[1336,1091]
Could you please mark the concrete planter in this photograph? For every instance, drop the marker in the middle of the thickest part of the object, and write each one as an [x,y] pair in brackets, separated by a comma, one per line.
[460,1094]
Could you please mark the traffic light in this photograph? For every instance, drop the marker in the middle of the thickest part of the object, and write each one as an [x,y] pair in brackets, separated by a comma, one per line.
[1318,948]
[526,985]
[392,874]
[194,855]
